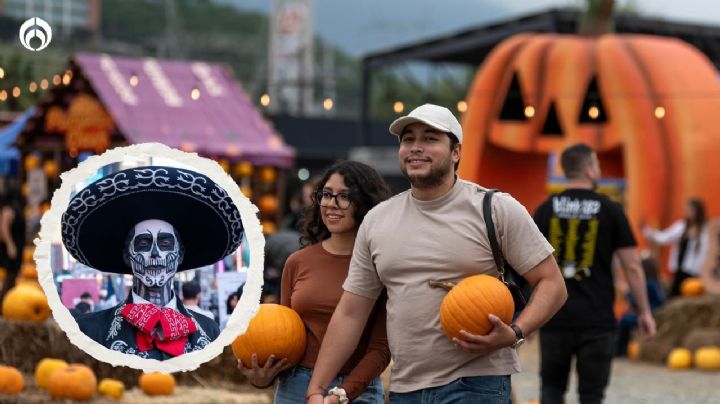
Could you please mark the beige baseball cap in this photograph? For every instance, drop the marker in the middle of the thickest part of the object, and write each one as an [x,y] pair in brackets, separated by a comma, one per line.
[436,116]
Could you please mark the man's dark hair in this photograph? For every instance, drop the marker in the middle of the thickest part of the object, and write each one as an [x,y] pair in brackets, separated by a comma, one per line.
[575,159]
[86,295]
[190,290]
[83,308]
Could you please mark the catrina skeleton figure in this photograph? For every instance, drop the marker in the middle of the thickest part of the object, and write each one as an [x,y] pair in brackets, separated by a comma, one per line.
[137,222]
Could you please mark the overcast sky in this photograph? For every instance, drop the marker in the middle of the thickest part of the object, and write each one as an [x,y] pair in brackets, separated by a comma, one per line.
[362,26]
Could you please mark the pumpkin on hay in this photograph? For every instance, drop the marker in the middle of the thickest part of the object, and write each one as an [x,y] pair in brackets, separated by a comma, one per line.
[157,384]
[275,330]
[45,369]
[111,388]
[647,104]
[679,358]
[707,358]
[11,380]
[467,305]
[27,303]
[692,287]
[76,382]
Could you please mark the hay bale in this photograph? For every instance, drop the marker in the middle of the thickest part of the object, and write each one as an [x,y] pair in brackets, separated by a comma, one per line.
[676,320]
[24,344]
[701,337]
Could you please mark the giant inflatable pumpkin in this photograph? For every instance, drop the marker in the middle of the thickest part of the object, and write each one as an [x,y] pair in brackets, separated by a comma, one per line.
[647,104]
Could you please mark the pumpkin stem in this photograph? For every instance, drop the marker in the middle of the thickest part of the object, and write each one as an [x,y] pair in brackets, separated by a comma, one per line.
[447,285]
[597,18]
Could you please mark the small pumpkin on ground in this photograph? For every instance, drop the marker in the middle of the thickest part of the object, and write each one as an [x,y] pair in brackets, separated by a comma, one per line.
[467,305]
[157,384]
[11,380]
[275,330]
[112,388]
[77,382]
[633,350]
[679,358]
[45,369]
[707,358]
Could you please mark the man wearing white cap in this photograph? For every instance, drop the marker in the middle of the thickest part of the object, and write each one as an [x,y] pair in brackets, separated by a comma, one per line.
[436,231]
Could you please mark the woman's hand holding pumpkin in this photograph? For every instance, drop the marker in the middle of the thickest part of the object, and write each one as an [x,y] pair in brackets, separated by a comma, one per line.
[499,337]
[263,377]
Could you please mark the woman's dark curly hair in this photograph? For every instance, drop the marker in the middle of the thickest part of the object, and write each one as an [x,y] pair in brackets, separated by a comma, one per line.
[366,188]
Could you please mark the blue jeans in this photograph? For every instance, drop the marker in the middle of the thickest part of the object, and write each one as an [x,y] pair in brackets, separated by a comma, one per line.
[293,383]
[470,390]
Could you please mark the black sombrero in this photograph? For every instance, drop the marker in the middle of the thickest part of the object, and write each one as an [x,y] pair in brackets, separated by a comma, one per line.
[99,217]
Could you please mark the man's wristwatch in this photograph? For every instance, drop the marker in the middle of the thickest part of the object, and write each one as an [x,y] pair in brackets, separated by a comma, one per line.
[519,337]
[340,393]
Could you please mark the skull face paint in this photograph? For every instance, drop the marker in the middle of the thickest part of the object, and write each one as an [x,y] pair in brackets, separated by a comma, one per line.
[154,253]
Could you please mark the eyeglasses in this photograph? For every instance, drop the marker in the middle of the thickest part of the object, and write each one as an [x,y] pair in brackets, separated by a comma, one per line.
[342,199]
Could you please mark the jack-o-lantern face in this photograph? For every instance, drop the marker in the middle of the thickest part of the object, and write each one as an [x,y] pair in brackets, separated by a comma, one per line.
[646,104]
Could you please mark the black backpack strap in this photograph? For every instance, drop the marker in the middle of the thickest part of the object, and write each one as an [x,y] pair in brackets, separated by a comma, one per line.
[492,235]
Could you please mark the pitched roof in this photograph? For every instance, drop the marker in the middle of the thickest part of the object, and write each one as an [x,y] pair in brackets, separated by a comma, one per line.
[159,108]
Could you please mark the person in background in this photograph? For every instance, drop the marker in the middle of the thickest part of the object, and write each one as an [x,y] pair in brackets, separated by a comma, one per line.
[12,236]
[312,286]
[192,295]
[586,229]
[656,296]
[80,309]
[688,240]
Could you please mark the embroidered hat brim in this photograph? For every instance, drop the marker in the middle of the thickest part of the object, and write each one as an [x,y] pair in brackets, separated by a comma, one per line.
[98,219]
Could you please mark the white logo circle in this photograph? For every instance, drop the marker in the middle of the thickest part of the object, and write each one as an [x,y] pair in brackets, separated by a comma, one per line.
[35,27]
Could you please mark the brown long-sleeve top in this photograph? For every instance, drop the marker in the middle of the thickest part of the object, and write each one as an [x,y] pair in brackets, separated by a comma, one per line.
[312,286]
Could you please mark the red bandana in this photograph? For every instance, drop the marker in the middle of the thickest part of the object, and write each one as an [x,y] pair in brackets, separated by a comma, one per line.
[175,327]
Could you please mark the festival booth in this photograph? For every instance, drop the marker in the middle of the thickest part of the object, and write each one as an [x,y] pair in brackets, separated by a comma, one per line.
[102,102]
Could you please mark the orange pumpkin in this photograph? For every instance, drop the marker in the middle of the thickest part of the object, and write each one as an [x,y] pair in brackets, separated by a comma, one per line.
[268,174]
[633,350]
[679,358]
[275,330]
[111,388]
[45,369]
[692,287]
[157,384]
[654,101]
[467,305]
[76,381]
[269,204]
[707,358]
[11,380]
[31,162]
[25,303]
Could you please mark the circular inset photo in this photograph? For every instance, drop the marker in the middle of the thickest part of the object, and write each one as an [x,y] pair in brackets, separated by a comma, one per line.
[151,258]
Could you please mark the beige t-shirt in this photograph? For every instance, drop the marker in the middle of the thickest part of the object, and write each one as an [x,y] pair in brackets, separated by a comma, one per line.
[404,242]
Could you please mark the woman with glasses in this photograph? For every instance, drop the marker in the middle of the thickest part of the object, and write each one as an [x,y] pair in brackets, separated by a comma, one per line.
[312,285]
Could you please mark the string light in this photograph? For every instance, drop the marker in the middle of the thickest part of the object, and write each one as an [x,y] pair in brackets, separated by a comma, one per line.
[659,112]
[529,111]
[66,78]
[593,112]
[328,104]
[56,80]
[16,91]
[2,73]
[265,100]
[195,93]
[44,84]
[134,80]
[398,107]
[33,87]
[3,95]
[462,106]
